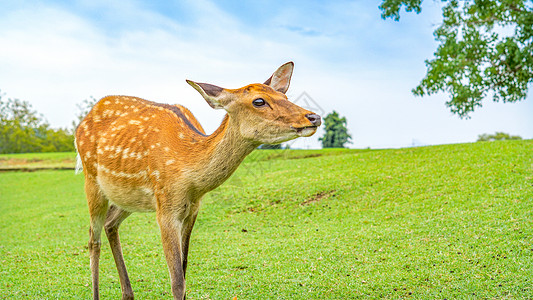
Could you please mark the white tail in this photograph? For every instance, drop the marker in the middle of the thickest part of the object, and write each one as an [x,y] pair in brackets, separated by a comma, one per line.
[79,164]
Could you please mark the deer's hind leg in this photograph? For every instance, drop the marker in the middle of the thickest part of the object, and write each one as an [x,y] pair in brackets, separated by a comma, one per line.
[98,206]
[115,216]
[188,224]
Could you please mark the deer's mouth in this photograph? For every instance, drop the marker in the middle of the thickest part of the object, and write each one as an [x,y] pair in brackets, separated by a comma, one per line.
[305,131]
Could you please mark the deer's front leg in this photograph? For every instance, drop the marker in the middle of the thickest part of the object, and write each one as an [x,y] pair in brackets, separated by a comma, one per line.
[171,228]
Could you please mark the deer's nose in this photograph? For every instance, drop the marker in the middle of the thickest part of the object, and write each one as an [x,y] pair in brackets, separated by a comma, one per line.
[314,118]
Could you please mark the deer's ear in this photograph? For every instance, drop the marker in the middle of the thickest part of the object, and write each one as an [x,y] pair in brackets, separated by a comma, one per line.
[211,93]
[281,79]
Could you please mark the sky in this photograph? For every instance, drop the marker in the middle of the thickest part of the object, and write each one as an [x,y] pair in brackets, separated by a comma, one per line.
[55,54]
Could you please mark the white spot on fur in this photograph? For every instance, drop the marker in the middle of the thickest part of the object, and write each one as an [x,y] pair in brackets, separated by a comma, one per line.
[120,127]
[141,174]
[108,113]
[169,162]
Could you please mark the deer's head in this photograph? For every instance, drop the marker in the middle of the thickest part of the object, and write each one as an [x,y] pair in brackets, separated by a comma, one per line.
[262,111]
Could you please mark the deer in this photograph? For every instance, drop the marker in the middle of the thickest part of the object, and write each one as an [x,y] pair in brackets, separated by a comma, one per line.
[143,156]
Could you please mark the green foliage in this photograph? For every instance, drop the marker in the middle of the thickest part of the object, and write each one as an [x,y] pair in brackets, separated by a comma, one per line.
[498,136]
[336,134]
[391,8]
[485,50]
[23,130]
[449,221]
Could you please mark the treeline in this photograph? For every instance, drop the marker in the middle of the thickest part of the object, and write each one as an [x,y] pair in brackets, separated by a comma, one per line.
[498,136]
[23,130]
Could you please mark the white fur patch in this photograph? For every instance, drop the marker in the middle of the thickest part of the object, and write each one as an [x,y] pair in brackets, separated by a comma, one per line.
[79,163]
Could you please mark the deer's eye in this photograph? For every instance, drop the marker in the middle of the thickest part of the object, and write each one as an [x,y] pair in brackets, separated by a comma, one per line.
[259,102]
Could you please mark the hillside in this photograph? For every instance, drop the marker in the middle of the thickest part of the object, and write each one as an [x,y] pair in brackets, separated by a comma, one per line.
[450,221]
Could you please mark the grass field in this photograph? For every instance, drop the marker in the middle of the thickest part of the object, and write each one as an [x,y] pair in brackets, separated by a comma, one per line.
[33,161]
[440,222]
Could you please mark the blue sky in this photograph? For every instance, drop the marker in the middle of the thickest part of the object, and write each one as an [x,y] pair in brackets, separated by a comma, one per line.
[57,53]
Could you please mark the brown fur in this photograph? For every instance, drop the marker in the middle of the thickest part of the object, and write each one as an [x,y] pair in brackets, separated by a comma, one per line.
[141,156]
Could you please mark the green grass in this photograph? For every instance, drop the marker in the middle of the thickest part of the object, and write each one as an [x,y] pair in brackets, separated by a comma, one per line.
[451,221]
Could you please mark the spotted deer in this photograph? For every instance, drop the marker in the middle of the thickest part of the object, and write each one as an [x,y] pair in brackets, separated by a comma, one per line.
[142,156]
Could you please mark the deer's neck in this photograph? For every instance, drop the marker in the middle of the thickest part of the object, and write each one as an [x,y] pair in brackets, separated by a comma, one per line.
[224,150]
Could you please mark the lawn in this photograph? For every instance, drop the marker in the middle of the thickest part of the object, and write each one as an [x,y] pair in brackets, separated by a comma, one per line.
[37,161]
[450,221]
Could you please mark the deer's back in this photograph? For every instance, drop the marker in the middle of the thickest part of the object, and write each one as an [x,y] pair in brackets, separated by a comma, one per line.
[125,143]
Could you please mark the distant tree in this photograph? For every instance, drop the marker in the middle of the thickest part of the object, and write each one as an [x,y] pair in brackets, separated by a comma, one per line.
[83,109]
[23,130]
[269,146]
[58,140]
[485,49]
[336,134]
[20,127]
[498,136]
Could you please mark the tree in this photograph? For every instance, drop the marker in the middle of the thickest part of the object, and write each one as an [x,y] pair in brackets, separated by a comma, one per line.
[336,134]
[269,146]
[83,109]
[498,136]
[20,127]
[485,50]
[23,130]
